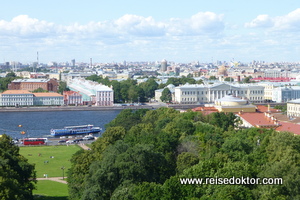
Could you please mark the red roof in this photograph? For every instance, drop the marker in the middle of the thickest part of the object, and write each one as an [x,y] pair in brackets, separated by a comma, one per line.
[262,108]
[277,79]
[259,120]
[290,127]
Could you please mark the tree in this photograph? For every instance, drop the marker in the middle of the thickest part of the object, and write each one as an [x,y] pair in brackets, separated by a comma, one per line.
[228,79]
[200,81]
[166,95]
[186,160]
[212,78]
[11,75]
[17,176]
[247,79]
[62,87]
[39,90]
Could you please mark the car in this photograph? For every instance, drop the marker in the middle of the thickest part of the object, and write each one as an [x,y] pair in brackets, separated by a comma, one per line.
[88,137]
[62,141]
[15,141]
[69,141]
[77,140]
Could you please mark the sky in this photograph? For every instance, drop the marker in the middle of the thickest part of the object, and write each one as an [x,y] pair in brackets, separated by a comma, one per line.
[134,30]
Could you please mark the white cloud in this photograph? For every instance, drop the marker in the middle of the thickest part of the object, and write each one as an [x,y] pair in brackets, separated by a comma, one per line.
[261,21]
[289,22]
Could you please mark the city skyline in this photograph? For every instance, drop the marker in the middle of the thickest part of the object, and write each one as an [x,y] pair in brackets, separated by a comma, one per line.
[149,31]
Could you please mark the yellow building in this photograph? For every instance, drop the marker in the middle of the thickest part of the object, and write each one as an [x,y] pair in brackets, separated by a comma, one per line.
[233,104]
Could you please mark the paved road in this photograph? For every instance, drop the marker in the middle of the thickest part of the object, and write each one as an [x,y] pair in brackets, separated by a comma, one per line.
[57,179]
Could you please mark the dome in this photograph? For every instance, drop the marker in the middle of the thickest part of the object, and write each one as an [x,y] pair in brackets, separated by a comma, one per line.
[229,100]
[170,86]
[222,70]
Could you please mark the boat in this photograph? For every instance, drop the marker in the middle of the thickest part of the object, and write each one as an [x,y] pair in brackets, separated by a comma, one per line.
[75,130]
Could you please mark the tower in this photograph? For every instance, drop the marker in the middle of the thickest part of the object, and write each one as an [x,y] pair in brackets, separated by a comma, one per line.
[163,65]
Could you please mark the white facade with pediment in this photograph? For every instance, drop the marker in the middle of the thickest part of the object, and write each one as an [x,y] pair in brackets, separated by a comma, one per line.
[197,94]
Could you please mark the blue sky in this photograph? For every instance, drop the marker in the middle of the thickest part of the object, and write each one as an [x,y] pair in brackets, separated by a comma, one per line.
[179,31]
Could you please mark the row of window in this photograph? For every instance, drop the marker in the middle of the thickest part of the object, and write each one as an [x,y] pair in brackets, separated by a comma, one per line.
[193,99]
[105,93]
[221,91]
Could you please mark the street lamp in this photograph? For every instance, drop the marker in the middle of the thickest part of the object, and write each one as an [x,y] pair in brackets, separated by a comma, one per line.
[63,171]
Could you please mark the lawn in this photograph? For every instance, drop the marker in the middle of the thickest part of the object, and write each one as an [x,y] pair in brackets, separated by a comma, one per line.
[50,190]
[49,159]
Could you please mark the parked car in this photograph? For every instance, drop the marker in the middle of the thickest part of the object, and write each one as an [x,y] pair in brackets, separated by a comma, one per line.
[88,137]
[69,141]
[77,140]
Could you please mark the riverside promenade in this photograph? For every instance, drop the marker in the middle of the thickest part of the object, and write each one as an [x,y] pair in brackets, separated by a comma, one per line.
[70,108]
[95,108]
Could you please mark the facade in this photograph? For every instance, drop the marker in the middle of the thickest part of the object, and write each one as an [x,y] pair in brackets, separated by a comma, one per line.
[92,92]
[72,98]
[50,85]
[26,98]
[16,98]
[233,104]
[199,94]
[293,108]
[163,65]
[48,99]
[158,93]
[285,94]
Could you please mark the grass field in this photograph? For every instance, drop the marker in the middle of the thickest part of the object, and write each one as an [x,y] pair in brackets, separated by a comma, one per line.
[49,159]
[50,190]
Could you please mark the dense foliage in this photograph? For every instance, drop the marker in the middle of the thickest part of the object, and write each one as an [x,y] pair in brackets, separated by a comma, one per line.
[16,174]
[4,81]
[144,154]
[130,91]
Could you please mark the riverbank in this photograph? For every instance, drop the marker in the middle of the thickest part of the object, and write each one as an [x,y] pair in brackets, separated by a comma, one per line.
[70,108]
[95,108]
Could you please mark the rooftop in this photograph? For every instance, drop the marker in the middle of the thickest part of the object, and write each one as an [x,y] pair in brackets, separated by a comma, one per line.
[16,92]
[31,80]
[47,94]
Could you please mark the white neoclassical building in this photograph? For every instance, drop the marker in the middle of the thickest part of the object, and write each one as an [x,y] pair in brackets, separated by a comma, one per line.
[93,92]
[197,94]
[285,94]
[26,98]
[293,108]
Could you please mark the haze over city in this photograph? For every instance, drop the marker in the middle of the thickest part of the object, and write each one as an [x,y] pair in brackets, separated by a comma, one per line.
[181,31]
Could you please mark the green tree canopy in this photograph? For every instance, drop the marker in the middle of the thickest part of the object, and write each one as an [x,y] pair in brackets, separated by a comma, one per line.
[166,95]
[17,176]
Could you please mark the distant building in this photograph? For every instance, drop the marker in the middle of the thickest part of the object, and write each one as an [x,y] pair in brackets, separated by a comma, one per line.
[293,108]
[72,98]
[93,92]
[50,85]
[233,104]
[158,93]
[199,94]
[48,99]
[16,98]
[285,94]
[26,98]
[163,67]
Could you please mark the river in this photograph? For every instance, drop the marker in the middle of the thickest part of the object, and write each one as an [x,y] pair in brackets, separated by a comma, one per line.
[39,124]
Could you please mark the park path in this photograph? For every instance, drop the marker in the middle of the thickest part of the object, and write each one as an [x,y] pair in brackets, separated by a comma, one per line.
[82,145]
[57,179]
[60,179]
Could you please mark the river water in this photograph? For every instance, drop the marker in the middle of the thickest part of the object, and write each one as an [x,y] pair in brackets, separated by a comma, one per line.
[39,124]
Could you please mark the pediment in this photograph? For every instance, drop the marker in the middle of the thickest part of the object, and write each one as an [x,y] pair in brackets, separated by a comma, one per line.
[223,86]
